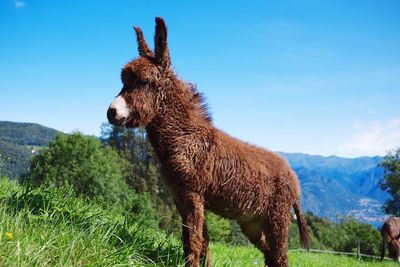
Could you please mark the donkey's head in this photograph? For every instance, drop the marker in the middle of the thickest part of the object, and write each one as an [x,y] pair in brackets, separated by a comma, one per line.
[143,80]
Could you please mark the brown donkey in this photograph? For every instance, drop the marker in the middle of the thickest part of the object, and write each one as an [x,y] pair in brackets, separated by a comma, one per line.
[204,167]
[390,233]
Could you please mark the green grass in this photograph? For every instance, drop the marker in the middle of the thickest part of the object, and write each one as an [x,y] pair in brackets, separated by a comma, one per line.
[53,227]
[224,255]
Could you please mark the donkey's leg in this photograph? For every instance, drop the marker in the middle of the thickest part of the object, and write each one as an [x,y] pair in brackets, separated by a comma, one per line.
[277,228]
[192,211]
[205,252]
[253,230]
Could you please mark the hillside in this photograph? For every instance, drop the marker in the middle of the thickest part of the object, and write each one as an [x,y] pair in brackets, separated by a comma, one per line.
[18,142]
[26,134]
[54,227]
[333,186]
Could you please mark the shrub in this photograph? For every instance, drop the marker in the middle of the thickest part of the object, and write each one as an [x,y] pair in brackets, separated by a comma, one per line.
[82,162]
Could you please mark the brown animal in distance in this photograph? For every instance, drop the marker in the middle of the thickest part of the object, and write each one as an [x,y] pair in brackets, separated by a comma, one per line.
[390,233]
[204,167]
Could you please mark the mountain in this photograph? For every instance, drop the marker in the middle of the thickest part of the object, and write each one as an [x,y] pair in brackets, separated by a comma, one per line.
[18,143]
[334,187]
[26,134]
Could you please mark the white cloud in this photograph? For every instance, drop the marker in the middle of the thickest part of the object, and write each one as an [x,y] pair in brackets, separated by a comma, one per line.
[372,138]
[19,4]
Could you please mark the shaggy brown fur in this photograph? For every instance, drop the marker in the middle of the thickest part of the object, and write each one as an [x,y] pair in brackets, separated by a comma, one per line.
[390,233]
[204,167]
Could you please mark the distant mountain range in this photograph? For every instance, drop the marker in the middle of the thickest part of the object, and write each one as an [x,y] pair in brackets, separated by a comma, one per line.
[331,186]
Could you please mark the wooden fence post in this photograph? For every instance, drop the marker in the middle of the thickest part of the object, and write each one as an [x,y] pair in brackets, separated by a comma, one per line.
[358,250]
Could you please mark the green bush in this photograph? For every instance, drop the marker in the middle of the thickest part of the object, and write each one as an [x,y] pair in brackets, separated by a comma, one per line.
[226,231]
[219,228]
[82,162]
[352,231]
[343,236]
[93,170]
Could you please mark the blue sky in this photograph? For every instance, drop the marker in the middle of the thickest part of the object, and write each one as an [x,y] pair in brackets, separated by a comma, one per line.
[319,77]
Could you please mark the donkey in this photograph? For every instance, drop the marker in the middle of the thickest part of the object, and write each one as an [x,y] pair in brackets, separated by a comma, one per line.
[390,233]
[204,167]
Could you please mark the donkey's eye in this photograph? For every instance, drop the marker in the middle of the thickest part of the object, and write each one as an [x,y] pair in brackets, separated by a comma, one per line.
[141,82]
[134,84]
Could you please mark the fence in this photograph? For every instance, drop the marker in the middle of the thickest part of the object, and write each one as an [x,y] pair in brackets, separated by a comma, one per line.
[356,254]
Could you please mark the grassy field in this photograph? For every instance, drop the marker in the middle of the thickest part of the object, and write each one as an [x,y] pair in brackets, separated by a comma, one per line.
[247,256]
[52,227]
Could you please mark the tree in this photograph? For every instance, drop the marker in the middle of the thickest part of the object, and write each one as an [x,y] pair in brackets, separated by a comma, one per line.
[142,170]
[391,181]
[82,162]
[2,163]
[350,231]
[141,165]
[342,235]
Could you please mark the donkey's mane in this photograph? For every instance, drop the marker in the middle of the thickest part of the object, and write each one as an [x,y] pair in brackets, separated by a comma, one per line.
[199,102]
[189,97]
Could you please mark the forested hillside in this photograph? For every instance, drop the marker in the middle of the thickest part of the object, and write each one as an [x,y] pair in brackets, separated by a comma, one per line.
[18,143]
[27,134]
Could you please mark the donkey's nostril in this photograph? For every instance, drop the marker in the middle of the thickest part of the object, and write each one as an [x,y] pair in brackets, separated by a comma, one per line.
[111,115]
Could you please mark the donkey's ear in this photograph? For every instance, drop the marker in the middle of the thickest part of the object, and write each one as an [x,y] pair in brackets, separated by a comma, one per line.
[160,43]
[143,48]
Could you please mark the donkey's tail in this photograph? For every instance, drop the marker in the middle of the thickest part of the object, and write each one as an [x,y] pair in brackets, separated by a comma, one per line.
[301,222]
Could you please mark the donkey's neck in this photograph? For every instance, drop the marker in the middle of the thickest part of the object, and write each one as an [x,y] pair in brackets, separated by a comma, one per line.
[179,125]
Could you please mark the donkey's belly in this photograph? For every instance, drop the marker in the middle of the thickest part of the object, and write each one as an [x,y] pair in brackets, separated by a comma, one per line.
[218,207]
[236,205]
